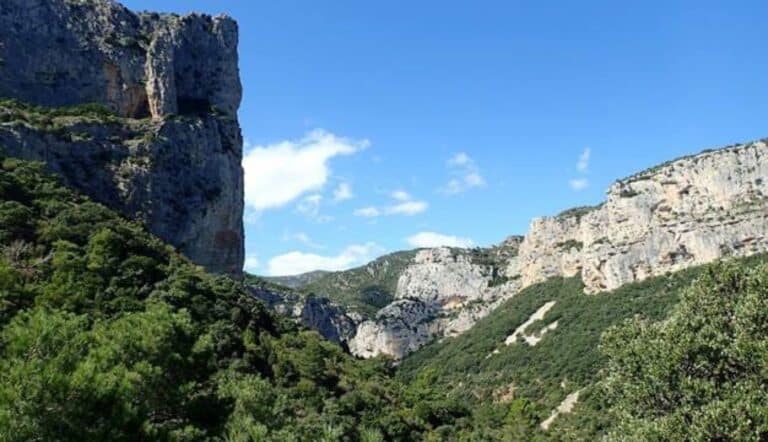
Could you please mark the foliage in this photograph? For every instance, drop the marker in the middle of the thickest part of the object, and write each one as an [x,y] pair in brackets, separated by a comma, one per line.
[578,212]
[364,289]
[477,368]
[702,374]
[107,334]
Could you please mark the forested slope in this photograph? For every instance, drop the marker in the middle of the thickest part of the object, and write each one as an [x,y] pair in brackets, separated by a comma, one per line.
[109,334]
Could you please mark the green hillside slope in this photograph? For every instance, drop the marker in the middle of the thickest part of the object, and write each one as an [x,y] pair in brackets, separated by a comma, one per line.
[364,289]
[107,334]
[529,382]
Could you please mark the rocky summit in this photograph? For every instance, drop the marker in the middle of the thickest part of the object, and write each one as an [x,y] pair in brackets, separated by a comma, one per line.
[167,148]
[681,214]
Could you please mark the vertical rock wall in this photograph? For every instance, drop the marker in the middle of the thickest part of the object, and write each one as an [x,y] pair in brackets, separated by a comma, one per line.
[172,158]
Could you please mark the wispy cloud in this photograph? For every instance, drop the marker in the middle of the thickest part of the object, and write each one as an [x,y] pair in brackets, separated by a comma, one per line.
[368,212]
[402,204]
[466,175]
[301,238]
[408,208]
[343,192]
[252,264]
[579,184]
[310,205]
[277,174]
[582,166]
[296,262]
[433,239]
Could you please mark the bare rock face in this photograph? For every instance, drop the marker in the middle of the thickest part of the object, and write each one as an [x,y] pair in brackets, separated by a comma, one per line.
[688,212]
[442,293]
[684,213]
[171,156]
[315,313]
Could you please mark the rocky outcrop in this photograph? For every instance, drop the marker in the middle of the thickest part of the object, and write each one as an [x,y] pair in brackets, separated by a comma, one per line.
[442,293]
[684,213]
[67,52]
[687,212]
[315,313]
[171,155]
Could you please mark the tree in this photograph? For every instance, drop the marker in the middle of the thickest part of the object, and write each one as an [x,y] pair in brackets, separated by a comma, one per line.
[702,374]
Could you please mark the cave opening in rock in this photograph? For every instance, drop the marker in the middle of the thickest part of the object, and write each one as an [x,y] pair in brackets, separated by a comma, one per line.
[193,106]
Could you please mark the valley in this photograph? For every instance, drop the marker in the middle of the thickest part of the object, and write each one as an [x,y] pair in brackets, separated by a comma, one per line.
[126,313]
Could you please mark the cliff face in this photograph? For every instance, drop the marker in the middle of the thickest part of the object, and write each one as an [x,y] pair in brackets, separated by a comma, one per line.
[331,320]
[684,213]
[442,293]
[687,212]
[171,154]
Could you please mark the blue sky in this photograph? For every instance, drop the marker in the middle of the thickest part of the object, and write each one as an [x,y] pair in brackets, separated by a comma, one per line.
[379,126]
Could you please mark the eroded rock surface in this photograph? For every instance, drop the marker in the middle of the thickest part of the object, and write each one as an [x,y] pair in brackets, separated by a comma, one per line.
[331,320]
[171,156]
[684,213]
[688,212]
[442,293]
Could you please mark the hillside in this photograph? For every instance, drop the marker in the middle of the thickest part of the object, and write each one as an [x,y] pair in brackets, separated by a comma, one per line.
[680,214]
[364,289]
[108,334]
[481,368]
[296,281]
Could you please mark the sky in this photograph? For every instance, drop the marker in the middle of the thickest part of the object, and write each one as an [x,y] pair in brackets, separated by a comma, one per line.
[379,126]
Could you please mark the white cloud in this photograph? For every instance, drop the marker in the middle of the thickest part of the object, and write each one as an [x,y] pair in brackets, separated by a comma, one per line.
[368,212]
[251,263]
[403,204]
[294,263]
[466,175]
[408,208]
[343,192]
[277,174]
[401,195]
[460,159]
[433,239]
[583,164]
[310,205]
[301,238]
[579,184]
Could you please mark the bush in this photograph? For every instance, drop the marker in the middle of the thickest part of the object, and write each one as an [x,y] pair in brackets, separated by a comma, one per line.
[702,374]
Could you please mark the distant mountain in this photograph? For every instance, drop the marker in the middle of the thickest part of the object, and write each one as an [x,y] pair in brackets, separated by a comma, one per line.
[296,281]
[364,289]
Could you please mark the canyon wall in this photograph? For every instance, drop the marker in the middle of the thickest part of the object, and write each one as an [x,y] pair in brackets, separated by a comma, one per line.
[684,213]
[170,153]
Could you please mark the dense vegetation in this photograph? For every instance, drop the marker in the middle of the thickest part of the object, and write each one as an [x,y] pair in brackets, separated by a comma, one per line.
[365,289]
[512,389]
[703,373]
[45,117]
[107,334]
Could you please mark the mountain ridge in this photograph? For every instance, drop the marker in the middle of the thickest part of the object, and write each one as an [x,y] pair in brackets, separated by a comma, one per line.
[685,212]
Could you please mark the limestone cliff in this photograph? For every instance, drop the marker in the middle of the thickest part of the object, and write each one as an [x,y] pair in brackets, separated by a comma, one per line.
[171,154]
[687,212]
[442,293]
[684,213]
[331,320]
